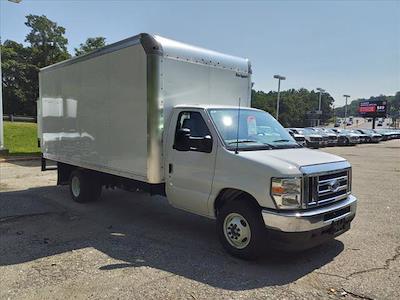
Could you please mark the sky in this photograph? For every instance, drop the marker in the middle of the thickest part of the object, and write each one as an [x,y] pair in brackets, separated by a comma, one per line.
[344,47]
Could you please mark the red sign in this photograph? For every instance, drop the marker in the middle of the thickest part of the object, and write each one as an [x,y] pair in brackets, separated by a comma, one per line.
[372,108]
[368,109]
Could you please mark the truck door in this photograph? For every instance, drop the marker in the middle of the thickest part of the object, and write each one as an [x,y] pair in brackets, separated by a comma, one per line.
[190,163]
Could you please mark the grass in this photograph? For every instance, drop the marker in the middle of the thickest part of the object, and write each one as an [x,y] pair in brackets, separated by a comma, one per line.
[21,138]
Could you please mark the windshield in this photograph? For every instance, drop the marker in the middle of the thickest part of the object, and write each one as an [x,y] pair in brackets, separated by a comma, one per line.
[328,130]
[257,130]
[309,131]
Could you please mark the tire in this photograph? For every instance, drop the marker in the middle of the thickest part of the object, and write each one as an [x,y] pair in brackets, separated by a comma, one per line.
[241,229]
[84,187]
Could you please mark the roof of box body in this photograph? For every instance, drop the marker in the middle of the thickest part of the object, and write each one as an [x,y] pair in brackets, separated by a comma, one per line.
[154,44]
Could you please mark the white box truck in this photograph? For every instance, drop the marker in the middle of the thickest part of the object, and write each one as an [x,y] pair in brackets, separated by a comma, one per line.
[158,115]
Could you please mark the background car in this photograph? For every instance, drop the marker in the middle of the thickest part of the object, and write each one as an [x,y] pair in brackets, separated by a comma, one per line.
[346,138]
[363,136]
[325,137]
[300,139]
[332,136]
[313,140]
[388,133]
[372,136]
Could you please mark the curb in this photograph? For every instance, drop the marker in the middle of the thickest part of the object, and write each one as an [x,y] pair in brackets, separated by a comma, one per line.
[23,158]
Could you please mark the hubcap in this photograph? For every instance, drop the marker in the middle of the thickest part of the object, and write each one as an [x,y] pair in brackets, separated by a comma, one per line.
[75,186]
[237,230]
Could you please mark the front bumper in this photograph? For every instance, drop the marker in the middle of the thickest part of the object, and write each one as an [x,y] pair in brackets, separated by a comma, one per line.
[314,144]
[308,220]
[332,142]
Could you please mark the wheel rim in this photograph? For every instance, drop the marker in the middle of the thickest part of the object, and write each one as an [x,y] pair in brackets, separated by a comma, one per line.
[237,230]
[75,186]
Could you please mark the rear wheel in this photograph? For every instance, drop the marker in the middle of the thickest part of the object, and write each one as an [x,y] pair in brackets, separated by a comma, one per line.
[241,229]
[84,187]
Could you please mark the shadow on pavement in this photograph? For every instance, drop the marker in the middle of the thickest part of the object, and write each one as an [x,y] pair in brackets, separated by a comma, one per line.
[139,230]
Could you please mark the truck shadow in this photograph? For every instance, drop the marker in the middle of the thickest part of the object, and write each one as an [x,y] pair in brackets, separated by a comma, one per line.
[140,230]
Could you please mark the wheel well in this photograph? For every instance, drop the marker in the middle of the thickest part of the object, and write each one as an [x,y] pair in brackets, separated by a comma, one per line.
[229,194]
[63,173]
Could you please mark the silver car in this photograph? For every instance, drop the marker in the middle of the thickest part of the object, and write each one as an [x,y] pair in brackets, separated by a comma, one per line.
[313,139]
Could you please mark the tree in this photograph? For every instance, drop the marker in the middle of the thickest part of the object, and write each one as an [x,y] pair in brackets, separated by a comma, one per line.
[21,64]
[47,41]
[294,105]
[90,45]
[17,73]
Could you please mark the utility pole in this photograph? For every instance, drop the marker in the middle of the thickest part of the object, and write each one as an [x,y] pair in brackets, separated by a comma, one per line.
[319,105]
[279,77]
[345,111]
[2,147]
[334,114]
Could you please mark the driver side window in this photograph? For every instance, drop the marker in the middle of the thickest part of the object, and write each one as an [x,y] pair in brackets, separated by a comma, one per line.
[194,121]
[198,129]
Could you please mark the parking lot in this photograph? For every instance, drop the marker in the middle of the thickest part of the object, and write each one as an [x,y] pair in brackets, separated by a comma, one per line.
[131,245]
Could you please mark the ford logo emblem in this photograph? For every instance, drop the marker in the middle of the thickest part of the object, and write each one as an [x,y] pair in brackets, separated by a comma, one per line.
[334,185]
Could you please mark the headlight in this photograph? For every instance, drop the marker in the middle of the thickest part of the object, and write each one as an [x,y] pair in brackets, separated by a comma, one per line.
[286,192]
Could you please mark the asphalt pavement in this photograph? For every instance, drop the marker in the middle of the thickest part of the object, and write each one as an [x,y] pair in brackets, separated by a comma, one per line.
[133,246]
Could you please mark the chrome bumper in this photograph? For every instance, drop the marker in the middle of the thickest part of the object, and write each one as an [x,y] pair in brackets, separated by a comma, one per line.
[301,221]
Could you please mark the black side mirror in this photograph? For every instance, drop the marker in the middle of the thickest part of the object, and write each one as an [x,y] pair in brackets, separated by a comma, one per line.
[201,144]
[182,140]
[206,144]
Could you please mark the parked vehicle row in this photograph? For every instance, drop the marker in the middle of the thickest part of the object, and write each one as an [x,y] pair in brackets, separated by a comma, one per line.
[317,137]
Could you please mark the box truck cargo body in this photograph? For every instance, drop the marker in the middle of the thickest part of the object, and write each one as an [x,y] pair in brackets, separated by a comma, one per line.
[107,110]
[173,119]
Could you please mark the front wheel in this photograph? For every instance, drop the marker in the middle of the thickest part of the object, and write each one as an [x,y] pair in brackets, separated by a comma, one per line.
[241,229]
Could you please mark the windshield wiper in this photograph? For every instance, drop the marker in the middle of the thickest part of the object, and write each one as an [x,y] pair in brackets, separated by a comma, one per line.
[243,141]
[283,140]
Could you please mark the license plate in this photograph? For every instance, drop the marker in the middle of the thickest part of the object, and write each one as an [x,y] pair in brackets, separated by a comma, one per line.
[339,226]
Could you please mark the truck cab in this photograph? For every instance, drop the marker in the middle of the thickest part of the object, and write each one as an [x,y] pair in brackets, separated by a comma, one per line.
[241,167]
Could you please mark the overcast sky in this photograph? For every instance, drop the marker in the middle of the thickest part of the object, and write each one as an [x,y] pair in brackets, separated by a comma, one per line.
[345,47]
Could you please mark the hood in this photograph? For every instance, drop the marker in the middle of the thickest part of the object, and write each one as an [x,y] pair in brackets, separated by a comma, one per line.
[297,157]
[313,135]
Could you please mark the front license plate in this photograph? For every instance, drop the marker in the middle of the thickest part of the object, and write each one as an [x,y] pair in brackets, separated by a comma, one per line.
[340,226]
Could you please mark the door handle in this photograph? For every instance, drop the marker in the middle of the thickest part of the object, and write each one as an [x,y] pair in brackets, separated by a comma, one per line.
[170,168]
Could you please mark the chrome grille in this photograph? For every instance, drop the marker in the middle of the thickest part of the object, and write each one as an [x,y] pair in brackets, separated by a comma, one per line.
[326,188]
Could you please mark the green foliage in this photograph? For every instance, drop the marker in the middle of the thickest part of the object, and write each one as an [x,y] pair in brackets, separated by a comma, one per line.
[294,105]
[90,45]
[18,74]
[21,138]
[20,64]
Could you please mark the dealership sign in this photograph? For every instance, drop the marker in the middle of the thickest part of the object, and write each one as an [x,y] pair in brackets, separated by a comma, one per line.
[371,109]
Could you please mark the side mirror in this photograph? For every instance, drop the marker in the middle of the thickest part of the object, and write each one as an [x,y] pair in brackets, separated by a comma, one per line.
[182,140]
[206,145]
[201,144]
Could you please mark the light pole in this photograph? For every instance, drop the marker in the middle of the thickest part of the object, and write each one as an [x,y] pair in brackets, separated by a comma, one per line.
[319,104]
[334,115]
[2,148]
[279,77]
[345,111]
